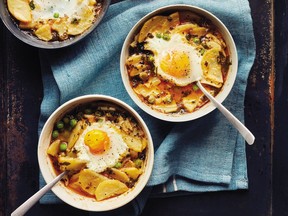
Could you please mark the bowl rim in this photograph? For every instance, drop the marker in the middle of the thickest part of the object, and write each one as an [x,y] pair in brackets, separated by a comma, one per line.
[208,107]
[68,196]
[33,41]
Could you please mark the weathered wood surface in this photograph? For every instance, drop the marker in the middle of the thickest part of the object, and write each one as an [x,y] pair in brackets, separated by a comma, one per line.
[265,114]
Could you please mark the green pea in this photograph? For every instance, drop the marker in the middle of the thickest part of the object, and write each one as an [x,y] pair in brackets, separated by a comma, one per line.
[66,120]
[151,58]
[158,35]
[196,40]
[60,124]
[73,122]
[56,15]
[55,134]
[202,51]
[138,163]
[118,165]
[166,37]
[63,146]
[195,87]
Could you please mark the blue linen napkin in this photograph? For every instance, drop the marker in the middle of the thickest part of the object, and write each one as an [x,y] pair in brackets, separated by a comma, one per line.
[204,155]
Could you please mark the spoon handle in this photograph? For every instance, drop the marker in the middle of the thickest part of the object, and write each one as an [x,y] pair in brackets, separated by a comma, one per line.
[21,210]
[244,131]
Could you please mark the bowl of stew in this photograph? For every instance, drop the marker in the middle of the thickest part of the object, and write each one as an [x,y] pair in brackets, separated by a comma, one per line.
[52,24]
[105,147]
[163,50]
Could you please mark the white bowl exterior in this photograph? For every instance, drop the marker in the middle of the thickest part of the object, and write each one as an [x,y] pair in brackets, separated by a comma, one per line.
[68,195]
[207,108]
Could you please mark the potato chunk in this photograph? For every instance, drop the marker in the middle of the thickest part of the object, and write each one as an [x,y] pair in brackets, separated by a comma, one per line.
[156,23]
[132,172]
[44,32]
[20,9]
[76,132]
[110,188]
[53,149]
[133,143]
[173,20]
[89,180]
[78,26]
[74,183]
[27,25]
[190,103]
[73,164]
[167,108]
[211,68]
[60,25]
[119,175]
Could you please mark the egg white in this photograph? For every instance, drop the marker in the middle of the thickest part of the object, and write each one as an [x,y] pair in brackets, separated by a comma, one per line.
[100,162]
[177,42]
[45,9]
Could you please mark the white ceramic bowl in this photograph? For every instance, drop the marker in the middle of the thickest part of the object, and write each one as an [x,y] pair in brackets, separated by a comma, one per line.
[72,198]
[227,85]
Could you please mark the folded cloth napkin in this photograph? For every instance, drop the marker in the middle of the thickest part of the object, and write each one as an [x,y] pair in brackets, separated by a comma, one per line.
[203,155]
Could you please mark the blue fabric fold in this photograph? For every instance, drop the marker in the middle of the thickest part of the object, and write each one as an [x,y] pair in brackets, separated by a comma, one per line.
[203,155]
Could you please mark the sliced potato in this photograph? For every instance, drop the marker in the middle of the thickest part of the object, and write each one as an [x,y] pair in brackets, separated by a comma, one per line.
[78,26]
[199,31]
[110,188]
[141,89]
[44,32]
[167,108]
[156,23]
[60,25]
[210,66]
[76,132]
[20,9]
[134,143]
[134,59]
[92,2]
[190,103]
[129,163]
[73,164]
[89,180]
[173,20]
[185,28]
[27,25]
[119,175]
[144,143]
[132,172]
[75,177]
[89,117]
[74,183]
[153,81]
[53,149]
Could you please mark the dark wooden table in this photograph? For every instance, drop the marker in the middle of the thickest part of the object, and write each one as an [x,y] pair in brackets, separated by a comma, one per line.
[266,115]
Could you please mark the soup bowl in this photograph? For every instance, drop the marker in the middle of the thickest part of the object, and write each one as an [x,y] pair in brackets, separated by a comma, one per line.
[160,54]
[130,171]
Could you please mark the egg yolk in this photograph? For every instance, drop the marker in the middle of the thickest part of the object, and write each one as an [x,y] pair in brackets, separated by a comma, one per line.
[97,141]
[175,64]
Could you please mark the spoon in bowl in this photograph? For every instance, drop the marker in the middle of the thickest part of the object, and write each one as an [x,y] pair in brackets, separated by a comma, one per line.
[244,131]
[22,209]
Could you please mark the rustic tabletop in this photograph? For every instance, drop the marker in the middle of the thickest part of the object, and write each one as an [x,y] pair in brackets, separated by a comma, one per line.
[265,114]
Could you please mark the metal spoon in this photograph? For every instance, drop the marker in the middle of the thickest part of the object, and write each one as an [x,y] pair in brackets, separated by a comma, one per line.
[244,131]
[22,209]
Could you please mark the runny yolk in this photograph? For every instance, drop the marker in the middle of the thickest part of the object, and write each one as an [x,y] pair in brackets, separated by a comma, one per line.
[175,63]
[97,141]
